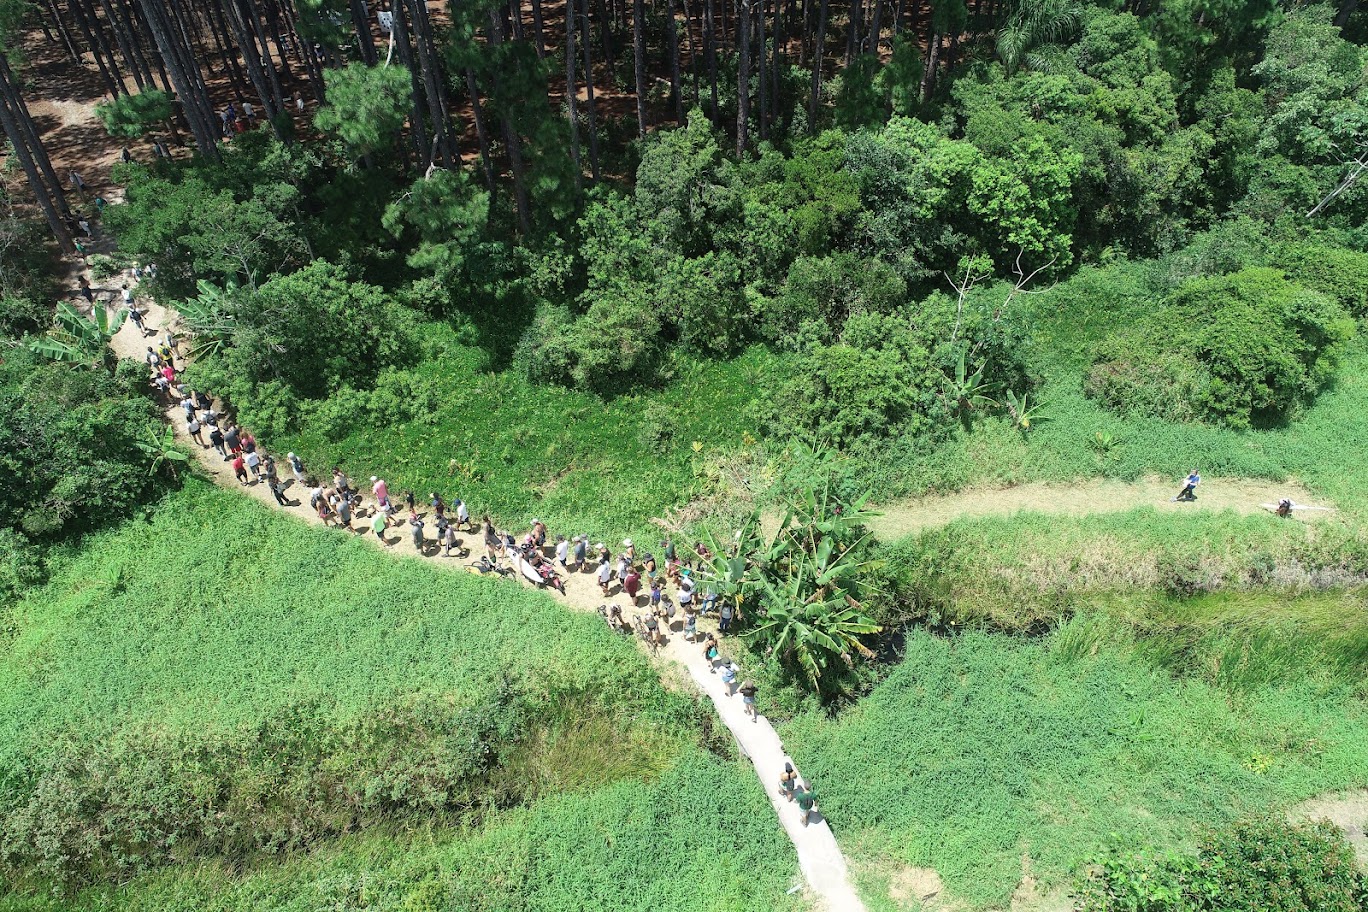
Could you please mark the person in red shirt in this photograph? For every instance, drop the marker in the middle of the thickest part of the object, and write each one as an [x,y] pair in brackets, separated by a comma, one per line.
[240,468]
[632,584]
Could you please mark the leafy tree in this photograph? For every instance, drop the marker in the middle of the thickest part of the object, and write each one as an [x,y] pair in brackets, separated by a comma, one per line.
[366,106]
[136,115]
[79,338]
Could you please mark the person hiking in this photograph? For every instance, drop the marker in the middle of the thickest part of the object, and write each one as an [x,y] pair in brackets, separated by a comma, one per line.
[344,511]
[690,624]
[788,781]
[86,291]
[581,551]
[724,616]
[278,491]
[325,512]
[438,505]
[240,468]
[248,442]
[653,628]
[629,550]
[410,502]
[747,691]
[193,426]
[216,440]
[605,575]
[416,530]
[378,524]
[77,182]
[728,677]
[232,438]
[538,533]
[657,594]
[269,467]
[710,653]
[254,463]
[491,538]
[340,481]
[1189,492]
[296,466]
[807,802]
[563,553]
[462,514]
[631,584]
[381,492]
[448,540]
[153,359]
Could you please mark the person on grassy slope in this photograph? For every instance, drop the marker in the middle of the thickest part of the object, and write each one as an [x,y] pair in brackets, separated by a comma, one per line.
[1189,492]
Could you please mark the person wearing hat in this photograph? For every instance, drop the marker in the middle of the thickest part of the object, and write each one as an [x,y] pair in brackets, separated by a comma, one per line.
[747,691]
[296,466]
[629,550]
[381,492]
[580,549]
[563,553]
[605,574]
[788,781]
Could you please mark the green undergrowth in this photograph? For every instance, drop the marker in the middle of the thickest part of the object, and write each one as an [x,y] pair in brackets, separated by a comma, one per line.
[699,836]
[1028,571]
[222,683]
[578,462]
[983,755]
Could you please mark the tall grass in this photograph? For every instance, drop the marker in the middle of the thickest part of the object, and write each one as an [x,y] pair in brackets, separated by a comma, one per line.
[982,750]
[223,682]
[700,836]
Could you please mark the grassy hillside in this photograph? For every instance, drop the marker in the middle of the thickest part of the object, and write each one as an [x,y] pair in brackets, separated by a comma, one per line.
[222,685]
[982,750]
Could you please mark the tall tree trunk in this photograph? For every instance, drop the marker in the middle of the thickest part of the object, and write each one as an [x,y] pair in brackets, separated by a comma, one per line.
[435,84]
[875,28]
[481,134]
[35,139]
[364,39]
[572,96]
[105,49]
[251,56]
[743,43]
[133,27]
[67,41]
[932,58]
[672,40]
[512,141]
[693,52]
[539,29]
[1346,11]
[639,61]
[898,18]
[19,140]
[418,129]
[760,74]
[606,35]
[853,29]
[590,107]
[113,87]
[710,51]
[818,58]
[265,62]
[198,111]
[125,48]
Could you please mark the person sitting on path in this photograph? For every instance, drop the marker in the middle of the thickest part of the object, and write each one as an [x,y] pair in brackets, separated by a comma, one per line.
[1189,492]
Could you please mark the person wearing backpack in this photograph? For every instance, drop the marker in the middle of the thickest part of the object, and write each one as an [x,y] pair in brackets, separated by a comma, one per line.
[710,653]
[724,617]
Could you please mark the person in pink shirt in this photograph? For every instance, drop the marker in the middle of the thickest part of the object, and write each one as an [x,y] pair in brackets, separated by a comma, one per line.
[381,492]
[169,373]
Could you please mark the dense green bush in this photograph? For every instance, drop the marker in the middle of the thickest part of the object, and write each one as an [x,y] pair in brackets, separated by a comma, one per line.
[1335,271]
[1245,349]
[1258,865]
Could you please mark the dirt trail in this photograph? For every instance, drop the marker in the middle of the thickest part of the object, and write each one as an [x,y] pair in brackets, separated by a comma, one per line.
[819,856]
[1243,495]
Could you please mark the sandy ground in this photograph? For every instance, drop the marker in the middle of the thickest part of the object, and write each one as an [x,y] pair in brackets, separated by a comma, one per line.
[1346,810]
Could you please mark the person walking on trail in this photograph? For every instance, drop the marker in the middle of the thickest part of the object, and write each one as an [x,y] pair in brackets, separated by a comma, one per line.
[438,505]
[580,551]
[653,629]
[278,491]
[788,781]
[78,183]
[216,440]
[710,653]
[1189,492]
[153,359]
[448,540]
[605,576]
[807,802]
[296,466]
[378,523]
[232,438]
[381,492]
[631,584]
[747,691]
[728,677]
[193,426]
[656,595]
[254,464]
[462,514]
[248,442]
[344,511]
[491,539]
[134,313]
[410,502]
[416,530]
[86,291]
[324,511]
[84,224]
[563,553]
[724,616]
[240,469]
[690,623]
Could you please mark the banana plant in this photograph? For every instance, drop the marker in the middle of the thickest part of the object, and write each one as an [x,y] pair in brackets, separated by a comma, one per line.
[966,391]
[210,317]
[161,447]
[79,338]
[1023,411]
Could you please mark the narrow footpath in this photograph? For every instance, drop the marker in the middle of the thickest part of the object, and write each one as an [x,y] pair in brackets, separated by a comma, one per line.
[819,856]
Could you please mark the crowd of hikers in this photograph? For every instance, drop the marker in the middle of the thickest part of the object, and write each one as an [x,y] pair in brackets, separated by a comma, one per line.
[665,592]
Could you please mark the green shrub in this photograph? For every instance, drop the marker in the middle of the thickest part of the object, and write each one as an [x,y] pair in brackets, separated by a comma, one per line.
[1342,274]
[1246,349]
[1258,865]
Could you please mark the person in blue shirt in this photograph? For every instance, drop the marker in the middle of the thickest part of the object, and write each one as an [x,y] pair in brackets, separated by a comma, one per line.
[1190,484]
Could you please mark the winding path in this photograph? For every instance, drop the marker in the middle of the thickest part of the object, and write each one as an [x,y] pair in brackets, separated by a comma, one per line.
[819,856]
